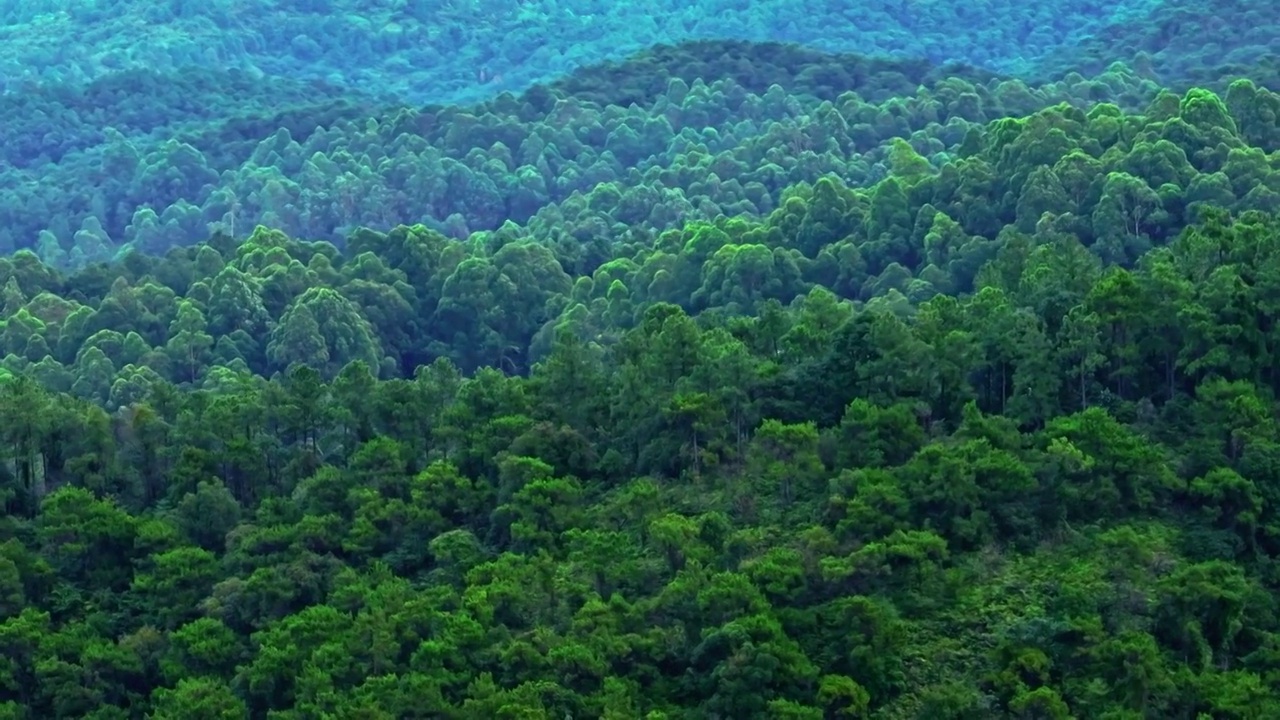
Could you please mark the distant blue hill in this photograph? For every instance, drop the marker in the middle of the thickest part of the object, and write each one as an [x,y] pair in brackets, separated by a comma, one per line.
[447,51]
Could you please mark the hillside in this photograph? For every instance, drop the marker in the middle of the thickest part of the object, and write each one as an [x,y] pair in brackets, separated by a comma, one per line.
[1180,43]
[468,50]
[725,378]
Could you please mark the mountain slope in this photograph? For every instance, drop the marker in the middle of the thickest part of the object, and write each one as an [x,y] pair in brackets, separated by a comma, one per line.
[461,50]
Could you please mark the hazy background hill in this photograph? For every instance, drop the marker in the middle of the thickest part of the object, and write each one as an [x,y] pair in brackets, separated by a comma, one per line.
[151,124]
[463,50]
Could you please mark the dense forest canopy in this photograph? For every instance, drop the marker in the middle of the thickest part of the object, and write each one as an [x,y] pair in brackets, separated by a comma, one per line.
[732,379]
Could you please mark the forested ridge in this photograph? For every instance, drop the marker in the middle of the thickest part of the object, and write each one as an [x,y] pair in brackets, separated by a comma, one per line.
[901,408]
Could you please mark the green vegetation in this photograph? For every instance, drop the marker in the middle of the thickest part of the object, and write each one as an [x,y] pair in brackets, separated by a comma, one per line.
[432,52]
[991,436]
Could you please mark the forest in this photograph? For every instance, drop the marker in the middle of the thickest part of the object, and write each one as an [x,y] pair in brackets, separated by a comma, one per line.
[990,440]
[727,379]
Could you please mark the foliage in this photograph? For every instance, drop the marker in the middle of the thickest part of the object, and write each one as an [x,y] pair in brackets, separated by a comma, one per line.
[888,391]
[1053,496]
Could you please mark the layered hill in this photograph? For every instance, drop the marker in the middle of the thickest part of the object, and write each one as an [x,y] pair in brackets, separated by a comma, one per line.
[1181,43]
[142,159]
[733,378]
[465,50]
[149,125]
